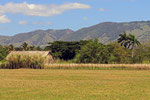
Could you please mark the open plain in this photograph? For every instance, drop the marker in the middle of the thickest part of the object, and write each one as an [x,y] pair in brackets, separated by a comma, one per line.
[45,84]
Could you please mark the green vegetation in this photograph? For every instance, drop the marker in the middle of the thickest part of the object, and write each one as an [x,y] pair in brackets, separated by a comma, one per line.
[65,50]
[3,52]
[123,52]
[93,52]
[74,85]
[128,50]
[129,41]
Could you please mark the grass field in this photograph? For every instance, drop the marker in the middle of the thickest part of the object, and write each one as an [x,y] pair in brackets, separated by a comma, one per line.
[28,84]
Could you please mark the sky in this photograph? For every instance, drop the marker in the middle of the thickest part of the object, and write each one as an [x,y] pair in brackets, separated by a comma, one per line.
[19,16]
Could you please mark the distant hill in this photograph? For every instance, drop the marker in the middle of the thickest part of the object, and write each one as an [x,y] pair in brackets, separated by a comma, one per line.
[37,38]
[105,32]
[109,31]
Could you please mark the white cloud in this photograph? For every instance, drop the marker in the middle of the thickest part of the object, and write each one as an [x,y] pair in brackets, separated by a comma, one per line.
[102,9]
[41,23]
[4,19]
[34,23]
[85,18]
[22,22]
[39,9]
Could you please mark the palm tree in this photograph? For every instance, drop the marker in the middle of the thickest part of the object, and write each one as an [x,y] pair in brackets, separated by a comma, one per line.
[11,47]
[132,43]
[25,46]
[123,39]
[128,41]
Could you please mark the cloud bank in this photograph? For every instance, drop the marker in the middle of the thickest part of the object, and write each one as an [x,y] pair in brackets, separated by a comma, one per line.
[39,9]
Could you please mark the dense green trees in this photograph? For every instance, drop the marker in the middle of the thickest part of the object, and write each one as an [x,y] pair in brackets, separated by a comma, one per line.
[142,54]
[119,54]
[65,50]
[93,52]
[3,52]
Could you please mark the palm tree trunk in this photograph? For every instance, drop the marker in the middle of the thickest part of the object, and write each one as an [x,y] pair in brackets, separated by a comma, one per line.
[132,51]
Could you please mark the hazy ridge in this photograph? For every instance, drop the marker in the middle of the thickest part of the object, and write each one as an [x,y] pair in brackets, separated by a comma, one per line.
[105,32]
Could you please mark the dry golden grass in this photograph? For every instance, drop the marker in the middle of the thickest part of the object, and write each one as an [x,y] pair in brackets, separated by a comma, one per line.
[98,66]
[23,61]
[29,84]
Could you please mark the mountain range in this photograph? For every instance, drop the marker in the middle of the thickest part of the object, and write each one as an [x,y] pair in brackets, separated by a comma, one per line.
[105,32]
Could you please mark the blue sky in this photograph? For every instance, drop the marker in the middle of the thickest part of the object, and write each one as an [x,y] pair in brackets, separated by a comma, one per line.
[18,16]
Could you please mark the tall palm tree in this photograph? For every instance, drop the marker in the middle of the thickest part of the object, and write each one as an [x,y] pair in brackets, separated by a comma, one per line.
[123,39]
[128,41]
[132,43]
[11,47]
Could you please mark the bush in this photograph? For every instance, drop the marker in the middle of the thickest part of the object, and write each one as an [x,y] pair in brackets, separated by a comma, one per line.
[23,61]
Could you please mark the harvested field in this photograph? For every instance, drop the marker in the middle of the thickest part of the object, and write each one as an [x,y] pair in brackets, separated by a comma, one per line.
[29,84]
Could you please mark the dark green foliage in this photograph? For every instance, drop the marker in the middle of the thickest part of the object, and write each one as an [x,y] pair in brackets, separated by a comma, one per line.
[11,48]
[18,49]
[39,48]
[93,52]
[142,54]
[128,41]
[25,46]
[3,52]
[65,50]
[119,54]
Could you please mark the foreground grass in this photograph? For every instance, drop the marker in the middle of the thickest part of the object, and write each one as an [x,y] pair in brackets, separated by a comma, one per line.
[26,84]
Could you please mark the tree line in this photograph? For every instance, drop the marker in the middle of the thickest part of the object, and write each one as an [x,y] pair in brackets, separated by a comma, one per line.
[127,49]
